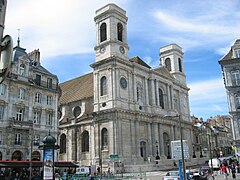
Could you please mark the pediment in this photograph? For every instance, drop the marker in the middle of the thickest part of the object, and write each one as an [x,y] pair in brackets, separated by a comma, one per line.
[163,71]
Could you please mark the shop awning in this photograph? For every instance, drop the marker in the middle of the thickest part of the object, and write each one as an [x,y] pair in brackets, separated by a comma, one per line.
[26,164]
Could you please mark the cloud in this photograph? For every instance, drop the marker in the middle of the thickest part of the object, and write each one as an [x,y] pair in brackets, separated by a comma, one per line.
[208,98]
[198,24]
[56,27]
[207,90]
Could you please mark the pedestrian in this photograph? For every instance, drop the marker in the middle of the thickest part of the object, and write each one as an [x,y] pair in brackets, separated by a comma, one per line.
[233,169]
[224,171]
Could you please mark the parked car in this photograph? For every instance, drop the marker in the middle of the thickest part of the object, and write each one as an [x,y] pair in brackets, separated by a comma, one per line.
[215,163]
[172,175]
[204,173]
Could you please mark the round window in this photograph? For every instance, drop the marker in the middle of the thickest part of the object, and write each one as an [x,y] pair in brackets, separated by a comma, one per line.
[76,111]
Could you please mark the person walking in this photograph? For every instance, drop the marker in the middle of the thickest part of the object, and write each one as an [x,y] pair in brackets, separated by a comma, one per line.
[224,171]
[233,169]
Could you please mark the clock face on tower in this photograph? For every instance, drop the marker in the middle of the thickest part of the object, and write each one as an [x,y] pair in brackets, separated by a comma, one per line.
[102,50]
[121,49]
[123,82]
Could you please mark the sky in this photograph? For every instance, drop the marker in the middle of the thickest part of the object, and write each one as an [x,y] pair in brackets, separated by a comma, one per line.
[64,32]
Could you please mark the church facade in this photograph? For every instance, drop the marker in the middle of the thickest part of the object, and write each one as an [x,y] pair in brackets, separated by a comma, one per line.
[124,111]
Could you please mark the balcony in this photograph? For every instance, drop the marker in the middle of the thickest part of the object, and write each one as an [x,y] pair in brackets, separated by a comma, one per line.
[36,82]
[44,84]
[20,124]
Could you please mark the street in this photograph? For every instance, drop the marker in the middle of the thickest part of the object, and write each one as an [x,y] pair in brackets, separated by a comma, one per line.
[160,174]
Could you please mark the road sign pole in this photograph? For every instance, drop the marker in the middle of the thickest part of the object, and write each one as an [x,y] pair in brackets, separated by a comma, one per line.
[180,166]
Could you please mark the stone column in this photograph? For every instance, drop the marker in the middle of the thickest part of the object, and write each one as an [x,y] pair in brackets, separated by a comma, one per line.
[146,91]
[153,95]
[149,139]
[157,93]
[172,134]
[137,142]
[156,133]
[115,82]
[133,137]
[161,140]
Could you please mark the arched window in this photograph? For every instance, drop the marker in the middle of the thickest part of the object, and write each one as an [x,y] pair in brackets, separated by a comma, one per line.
[104,136]
[180,64]
[166,144]
[22,70]
[103,86]
[168,64]
[36,156]
[63,144]
[103,32]
[120,31]
[85,141]
[17,155]
[161,98]
[143,151]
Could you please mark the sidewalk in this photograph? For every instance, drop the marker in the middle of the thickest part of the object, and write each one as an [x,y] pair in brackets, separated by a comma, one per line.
[159,175]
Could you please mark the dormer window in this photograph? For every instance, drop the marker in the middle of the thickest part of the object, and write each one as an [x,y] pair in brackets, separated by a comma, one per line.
[22,69]
[237,53]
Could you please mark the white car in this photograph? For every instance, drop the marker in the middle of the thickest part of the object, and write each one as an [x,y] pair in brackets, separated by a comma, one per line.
[172,175]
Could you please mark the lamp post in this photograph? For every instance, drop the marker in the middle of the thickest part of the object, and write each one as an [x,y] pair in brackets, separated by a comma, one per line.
[201,155]
[30,166]
[194,155]
[157,155]
[168,156]
[181,142]
[3,5]
[210,152]
[181,136]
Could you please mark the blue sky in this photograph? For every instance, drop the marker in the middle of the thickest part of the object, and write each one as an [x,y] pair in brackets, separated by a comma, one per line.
[64,31]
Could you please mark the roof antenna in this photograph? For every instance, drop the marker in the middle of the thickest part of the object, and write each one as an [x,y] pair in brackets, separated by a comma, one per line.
[18,41]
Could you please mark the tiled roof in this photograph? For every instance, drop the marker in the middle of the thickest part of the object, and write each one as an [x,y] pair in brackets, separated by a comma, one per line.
[228,56]
[136,59]
[77,89]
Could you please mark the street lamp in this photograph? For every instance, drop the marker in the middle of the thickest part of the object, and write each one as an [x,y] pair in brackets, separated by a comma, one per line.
[194,155]
[201,155]
[168,156]
[181,141]
[33,141]
[157,156]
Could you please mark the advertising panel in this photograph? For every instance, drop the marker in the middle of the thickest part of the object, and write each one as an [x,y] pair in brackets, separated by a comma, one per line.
[48,163]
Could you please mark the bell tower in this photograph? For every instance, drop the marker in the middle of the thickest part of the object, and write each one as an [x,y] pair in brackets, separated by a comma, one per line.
[171,56]
[111,33]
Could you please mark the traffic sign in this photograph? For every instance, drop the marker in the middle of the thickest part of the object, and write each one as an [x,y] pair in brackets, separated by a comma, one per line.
[177,150]
[114,156]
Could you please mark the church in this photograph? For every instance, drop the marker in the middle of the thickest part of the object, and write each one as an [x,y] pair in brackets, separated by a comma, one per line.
[124,113]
